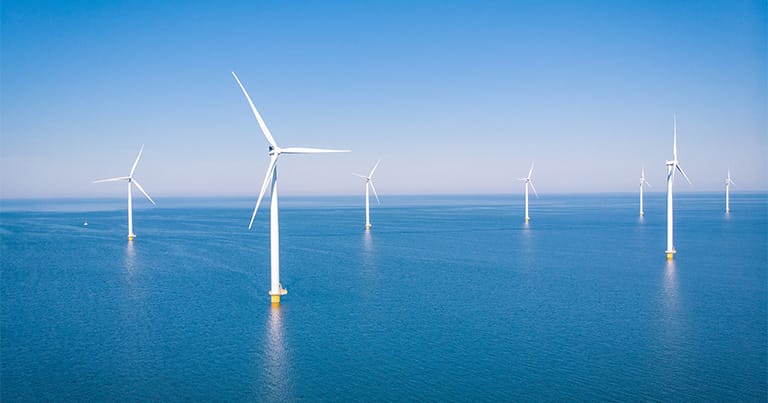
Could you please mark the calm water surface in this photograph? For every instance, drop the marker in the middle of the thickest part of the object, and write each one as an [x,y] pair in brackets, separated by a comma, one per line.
[447,298]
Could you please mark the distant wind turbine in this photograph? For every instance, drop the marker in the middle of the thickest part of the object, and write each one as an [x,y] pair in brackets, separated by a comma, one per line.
[643,182]
[671,167]
[131,180]
[369,182]
[728,183]
[527,180]
[276,289]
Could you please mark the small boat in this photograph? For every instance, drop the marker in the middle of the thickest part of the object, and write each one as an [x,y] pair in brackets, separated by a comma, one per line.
[85,224]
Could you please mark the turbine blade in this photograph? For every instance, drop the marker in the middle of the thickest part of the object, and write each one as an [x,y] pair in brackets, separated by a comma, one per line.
[646,182]
[361,176]
[374,192]
[674,140]
[122,178]
[534,190]
[135,182]
[267,181]
[137,160]
[307,150]
[263,125]
[684,175]
[530,172]
[374,169]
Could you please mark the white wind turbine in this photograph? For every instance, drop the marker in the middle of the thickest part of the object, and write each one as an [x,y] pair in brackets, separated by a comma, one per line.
[527,180]
[131,180]
[369,182]
[276,289]
[643,182]
[728,183]
[671,167]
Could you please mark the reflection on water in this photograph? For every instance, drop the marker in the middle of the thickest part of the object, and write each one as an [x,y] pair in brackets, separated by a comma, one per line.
[368,252]
[277,379]
[367,242]
[672,322]
[670,286]
[132,274]
[527,245]
[130,259]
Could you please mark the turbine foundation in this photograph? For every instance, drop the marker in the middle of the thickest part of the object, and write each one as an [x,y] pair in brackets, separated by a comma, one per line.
[275,296]
[671,254]
[131,237]
[367,226]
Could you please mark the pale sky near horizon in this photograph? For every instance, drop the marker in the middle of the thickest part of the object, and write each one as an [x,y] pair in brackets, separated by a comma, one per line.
[453,96]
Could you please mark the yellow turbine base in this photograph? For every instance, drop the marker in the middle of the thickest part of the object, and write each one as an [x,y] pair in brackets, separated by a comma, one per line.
[670,255]
[367,226]
[527,219]
[131,237]
[276,296]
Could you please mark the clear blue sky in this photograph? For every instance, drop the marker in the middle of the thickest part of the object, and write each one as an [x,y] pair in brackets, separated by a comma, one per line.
[453,96]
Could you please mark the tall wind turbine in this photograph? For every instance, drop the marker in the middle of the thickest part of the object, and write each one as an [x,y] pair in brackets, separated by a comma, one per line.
[527,180]
[728,183]
[671,167]
[276,289]
[131,181]
[369,182]
[643,182]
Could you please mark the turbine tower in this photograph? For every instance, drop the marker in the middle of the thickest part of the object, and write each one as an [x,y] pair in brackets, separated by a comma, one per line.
[276,289]
[131,181]
[728,183]
[671,167]
[369,181]
[643,182]
[527,180]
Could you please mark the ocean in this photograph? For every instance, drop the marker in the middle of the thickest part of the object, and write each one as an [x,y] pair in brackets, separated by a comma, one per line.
[446,298]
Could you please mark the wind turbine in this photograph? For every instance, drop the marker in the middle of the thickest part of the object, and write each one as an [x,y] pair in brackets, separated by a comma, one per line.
[728,183]
[276,289]
[642,183]
[131,181]
[671,167]
[369,181]
[527,180]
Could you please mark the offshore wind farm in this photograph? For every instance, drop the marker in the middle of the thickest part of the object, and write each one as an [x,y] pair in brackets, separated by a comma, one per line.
[452,287]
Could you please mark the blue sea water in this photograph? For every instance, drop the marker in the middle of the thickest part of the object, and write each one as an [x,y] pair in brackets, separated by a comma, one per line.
[446,298]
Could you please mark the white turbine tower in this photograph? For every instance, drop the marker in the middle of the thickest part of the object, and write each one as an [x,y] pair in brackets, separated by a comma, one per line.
[643,182]
[276,289]
[671,167]
[131,181]
[527,180]
[369,182]
[728,183]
